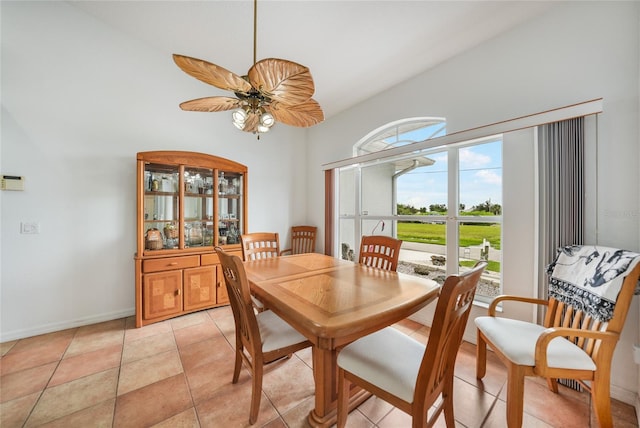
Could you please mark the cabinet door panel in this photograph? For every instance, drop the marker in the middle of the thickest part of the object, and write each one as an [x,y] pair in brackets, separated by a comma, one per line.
[199,287]
[162,294]
[223,296]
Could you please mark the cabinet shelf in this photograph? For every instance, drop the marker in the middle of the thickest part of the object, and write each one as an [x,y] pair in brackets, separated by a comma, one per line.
[198,195]
[160,193]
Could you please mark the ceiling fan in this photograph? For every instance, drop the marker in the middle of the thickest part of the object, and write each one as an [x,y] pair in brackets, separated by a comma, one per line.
[273,90]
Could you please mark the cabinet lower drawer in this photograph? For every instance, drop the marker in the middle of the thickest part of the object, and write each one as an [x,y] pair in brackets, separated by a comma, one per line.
[209,259]
[213,259]
[170,263]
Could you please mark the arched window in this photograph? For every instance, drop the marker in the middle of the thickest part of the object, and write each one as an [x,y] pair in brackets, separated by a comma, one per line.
[400,133]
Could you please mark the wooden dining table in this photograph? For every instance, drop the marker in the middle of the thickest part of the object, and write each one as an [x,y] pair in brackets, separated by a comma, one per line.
[334,302]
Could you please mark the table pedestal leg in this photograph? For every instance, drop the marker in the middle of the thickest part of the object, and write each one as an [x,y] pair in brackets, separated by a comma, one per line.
[325,374]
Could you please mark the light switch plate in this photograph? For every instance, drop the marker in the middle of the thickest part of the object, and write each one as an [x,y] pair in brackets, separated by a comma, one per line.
[636,354]
[29,228]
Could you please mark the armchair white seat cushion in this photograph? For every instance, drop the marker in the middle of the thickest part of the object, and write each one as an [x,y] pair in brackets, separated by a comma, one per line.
[388,359]
[275,332]
[517,340]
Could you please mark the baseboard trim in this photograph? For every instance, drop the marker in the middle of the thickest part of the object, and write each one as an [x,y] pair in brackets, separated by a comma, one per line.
[638,407]
[624,395]
[63,325]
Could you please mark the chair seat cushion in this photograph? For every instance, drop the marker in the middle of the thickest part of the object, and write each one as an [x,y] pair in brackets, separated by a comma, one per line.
[387,358]
[257,303]
[517,341]
[275,332]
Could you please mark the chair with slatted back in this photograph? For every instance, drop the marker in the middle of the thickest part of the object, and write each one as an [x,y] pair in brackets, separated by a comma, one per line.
[380,251]
[259,245]
[261,338]
[256,246]
[415,378]
[303,240]
[590,291]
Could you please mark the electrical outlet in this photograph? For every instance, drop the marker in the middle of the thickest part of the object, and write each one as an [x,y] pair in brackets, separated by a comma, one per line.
[29,228]
[636,354]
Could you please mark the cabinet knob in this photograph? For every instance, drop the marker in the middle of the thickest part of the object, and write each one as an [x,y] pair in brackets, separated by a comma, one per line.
[178,292]
[173,264]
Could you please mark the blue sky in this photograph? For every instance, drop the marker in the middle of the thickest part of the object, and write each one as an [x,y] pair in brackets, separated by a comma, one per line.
[480,178]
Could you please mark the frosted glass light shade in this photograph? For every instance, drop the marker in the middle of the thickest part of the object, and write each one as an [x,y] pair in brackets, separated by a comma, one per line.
[266,119]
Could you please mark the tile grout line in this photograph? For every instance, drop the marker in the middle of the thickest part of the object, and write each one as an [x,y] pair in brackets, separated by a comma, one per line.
[115,401]
[53,372]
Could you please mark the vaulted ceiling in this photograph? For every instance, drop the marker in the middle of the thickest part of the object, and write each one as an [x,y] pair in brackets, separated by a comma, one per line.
[354,49]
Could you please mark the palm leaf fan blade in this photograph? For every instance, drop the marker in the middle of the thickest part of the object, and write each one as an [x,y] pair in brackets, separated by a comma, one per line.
[251,124]
[211,104]
[283,81]
[212,74]
[302,115]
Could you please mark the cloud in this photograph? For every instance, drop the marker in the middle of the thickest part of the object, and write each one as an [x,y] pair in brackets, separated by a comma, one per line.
[470,159]
[488,176]
[417,201]
[439,157]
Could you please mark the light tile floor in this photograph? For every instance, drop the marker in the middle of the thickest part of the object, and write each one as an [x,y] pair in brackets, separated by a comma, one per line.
[177,373]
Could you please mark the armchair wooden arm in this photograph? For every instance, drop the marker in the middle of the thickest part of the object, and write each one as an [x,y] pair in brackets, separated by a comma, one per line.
[607,340]
[508,297]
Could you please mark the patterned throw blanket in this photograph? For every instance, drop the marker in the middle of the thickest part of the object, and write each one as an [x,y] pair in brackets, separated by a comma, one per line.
[590,277]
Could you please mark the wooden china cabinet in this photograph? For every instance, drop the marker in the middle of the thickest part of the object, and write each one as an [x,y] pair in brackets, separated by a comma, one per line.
[187,203]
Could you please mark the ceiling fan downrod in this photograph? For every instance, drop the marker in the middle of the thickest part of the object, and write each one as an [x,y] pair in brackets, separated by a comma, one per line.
[255,29]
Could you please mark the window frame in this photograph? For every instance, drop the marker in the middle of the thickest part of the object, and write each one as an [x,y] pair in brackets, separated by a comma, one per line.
[453,219]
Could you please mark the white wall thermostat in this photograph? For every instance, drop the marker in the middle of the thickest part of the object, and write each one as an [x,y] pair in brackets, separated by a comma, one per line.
[12,182]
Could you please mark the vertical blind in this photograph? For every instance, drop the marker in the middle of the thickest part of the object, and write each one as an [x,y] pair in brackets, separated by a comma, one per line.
[562,216]
[562,177]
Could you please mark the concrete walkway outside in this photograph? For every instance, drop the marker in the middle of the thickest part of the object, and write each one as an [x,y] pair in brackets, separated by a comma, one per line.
[415,259]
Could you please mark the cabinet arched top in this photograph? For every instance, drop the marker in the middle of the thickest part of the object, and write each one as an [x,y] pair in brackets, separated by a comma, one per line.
[194,159]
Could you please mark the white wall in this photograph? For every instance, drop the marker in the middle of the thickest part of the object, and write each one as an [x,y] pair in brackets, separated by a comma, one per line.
[575,52]
[79,100]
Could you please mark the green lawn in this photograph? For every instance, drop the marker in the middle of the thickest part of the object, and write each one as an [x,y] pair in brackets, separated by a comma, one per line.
[435,233]
[491,265]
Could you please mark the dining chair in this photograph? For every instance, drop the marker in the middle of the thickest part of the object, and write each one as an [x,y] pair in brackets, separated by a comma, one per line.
[590,290]
[262,337]
[380,251]
[256,246]
[303,240]
[404,372]
[259,245]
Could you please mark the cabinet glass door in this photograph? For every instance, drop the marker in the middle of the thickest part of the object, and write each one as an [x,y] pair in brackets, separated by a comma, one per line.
[161,205]
[230,189]
[198,207]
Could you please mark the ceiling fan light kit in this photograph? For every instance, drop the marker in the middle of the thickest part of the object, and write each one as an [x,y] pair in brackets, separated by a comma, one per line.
[274,90]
